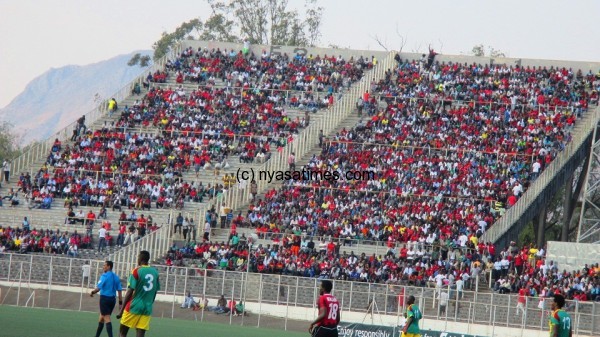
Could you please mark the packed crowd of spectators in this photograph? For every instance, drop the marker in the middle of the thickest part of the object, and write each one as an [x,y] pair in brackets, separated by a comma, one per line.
[444,171]
[139,161]
[449,148]
[437,170]
[526,271]
[304,81]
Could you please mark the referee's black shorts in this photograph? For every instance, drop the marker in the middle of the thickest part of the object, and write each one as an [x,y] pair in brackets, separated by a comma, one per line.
[107,304]
[324,331]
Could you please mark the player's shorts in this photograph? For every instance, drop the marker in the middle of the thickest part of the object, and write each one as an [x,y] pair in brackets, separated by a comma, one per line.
[323,331]
[135,321]
[107,304]
[408,334]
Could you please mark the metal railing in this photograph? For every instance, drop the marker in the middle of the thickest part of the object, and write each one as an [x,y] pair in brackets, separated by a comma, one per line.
[56,217]
[489,104]
[241,91]
[54,221]
[156,243]
[583,129]
[287,296]
[350,242]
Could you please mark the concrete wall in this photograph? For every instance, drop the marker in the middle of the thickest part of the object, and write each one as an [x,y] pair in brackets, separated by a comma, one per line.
[572,255]
[575,65]
[290,50]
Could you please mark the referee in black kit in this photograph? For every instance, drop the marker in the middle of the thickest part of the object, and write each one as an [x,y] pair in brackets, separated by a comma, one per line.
[108,286]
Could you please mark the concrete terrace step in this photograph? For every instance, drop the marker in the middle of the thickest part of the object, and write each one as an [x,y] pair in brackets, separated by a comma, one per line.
[55,216]
[222,235]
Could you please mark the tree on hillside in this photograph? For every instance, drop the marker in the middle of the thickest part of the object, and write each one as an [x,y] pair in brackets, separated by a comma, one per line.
[143,61]
[10,142]
[480,50]
[268,22]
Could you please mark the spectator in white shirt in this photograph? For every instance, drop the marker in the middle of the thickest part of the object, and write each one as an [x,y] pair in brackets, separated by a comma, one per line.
[101,239]
[535,169]
[443,302]
[517,189]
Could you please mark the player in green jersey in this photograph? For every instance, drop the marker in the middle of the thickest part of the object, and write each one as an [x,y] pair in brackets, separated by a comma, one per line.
[560,322]
[142,287]
[413,316]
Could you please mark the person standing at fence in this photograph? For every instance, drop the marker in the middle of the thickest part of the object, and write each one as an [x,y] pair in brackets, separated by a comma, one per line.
[101,239]
[193,229]
[521,300]
[206,231]
[186,229]
[325,325]
[142,287]
[413,316]
[6,169]
[253,189]
[108,287]
[224,210]
[560,321]
[292,161]
[443,302]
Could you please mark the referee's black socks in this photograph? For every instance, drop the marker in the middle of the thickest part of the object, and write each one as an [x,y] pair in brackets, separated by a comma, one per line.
[99,330]
[109,329]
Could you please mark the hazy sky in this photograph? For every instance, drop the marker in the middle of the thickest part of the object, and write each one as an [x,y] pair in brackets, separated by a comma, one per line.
[38,35]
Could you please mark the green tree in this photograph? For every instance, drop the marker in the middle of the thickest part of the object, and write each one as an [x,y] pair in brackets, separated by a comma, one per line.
[10,142]
[269,22]
[143,61]
[480,50]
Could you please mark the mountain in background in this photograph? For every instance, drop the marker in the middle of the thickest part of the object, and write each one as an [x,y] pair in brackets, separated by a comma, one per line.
[58,97]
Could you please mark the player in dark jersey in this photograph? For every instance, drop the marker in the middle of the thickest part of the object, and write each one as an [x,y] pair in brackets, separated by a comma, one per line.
[142,287]
[325,325]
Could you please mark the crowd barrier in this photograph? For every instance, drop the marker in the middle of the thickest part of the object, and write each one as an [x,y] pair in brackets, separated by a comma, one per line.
[293,298]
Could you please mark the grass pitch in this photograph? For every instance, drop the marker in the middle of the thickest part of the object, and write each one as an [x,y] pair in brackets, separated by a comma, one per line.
[31,322]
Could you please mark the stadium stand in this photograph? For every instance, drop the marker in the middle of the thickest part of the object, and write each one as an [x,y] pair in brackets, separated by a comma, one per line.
[452,145]
[140,155]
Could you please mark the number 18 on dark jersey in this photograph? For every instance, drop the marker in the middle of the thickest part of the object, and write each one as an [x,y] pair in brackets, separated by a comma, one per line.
[332,306]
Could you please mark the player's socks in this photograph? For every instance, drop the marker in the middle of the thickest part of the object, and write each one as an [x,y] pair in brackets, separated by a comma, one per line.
[99,330]
[109,329]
